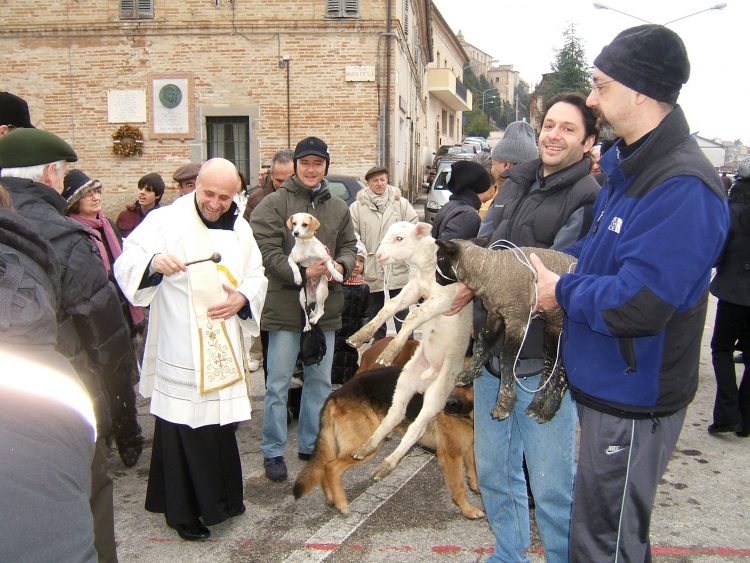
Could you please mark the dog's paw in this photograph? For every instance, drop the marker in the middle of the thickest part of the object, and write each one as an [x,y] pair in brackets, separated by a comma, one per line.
[472,512]
[383,470]
[297,278]
[343,507]
[308,327]
[315,317]
[337,276]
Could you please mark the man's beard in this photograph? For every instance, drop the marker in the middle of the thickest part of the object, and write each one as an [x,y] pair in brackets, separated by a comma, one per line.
[606,131]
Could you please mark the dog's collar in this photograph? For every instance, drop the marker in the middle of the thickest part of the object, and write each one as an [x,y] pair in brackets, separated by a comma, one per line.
[307,237]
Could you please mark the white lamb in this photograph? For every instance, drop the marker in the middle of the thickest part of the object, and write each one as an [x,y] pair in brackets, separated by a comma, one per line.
[439,357]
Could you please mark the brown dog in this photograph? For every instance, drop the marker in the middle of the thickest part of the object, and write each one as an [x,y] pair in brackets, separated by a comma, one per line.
[368,361]
[352,412]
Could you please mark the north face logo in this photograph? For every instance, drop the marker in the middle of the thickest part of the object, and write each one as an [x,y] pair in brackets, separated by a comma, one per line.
[615,225]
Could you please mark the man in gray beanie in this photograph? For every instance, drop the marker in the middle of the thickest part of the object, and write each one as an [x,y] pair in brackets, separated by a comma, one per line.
[636,304]
[517,145]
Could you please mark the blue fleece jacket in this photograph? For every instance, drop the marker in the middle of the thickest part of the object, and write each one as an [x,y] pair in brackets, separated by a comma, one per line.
[636,304]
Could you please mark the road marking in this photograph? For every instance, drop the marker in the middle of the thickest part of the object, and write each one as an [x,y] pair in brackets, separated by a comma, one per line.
[335,532]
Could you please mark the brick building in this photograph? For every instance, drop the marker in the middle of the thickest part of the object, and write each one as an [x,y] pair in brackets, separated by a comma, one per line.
[232,78]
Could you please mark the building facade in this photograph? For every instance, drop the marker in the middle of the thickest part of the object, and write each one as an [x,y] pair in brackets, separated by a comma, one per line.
[141,86]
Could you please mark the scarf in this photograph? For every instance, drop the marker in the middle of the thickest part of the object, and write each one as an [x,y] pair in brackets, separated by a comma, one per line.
[380,201]
[97,226]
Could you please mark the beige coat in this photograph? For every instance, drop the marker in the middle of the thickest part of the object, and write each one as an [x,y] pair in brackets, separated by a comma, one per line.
[371,225]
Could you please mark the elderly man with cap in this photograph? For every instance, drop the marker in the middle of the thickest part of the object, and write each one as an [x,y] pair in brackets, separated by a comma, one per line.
[14,113]
[185,177]
[304,192]
[636,304]
[92,332]
[373,212]
[150,191]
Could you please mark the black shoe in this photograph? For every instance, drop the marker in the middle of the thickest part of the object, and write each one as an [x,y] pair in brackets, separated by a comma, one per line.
[192,532]
[739,358]
[721,428]
[275,468]
[744,432]
[304,457]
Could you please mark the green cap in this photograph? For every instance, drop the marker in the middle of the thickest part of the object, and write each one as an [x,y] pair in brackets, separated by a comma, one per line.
[30,147]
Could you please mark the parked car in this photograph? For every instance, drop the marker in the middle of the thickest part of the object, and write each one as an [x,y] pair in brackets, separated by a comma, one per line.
[480,143]
[345,187]
[439,193]
[453,153]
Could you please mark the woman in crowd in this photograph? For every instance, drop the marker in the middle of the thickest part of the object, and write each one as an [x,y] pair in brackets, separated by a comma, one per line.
[84,197]
[470,185]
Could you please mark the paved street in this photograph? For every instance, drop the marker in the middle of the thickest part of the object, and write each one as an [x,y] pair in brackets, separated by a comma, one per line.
[702,509]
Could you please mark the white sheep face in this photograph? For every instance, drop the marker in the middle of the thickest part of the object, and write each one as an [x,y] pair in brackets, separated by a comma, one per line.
[400,241]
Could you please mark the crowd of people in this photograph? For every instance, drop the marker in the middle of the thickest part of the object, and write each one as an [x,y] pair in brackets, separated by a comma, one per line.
[168,296]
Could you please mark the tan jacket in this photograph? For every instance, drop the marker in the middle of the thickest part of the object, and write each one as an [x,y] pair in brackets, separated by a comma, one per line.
[371,225]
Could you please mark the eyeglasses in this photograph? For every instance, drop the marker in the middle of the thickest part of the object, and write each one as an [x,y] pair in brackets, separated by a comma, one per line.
[597,86]
[95,192]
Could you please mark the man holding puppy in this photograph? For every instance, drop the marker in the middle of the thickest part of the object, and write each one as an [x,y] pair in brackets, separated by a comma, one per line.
[635,306]
[306,191]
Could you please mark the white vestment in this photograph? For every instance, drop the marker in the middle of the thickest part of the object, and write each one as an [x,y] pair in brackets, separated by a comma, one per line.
[171,364]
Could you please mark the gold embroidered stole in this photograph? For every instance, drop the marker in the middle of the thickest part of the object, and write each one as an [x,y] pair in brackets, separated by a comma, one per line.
[219,366]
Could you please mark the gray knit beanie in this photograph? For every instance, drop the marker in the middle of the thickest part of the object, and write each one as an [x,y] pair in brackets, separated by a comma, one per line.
[743,170]
[517,145]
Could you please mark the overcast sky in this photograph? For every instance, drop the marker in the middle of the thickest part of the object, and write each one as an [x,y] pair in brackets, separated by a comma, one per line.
[526,33]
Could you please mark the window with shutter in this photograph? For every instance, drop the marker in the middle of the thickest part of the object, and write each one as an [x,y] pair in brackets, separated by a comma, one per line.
[136,9]
[342,8]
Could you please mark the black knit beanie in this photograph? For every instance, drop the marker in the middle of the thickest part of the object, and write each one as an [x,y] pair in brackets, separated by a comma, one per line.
[650,59]
[468,175]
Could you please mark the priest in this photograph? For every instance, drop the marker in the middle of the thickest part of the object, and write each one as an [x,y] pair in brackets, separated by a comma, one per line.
[197,266]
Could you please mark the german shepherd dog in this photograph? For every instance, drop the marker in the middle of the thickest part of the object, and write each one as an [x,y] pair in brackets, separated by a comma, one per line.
[351,414]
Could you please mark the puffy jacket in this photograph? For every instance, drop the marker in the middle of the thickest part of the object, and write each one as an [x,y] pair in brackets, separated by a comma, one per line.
[92,333]
[732,280]
[636,304]
[459,218]
[282,310]
[550,212]
[29,286]
[371,225]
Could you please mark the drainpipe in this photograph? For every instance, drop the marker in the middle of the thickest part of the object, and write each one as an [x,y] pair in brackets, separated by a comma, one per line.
[387,114]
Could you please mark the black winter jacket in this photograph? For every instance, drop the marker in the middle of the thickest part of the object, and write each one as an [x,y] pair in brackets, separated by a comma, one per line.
[92,333]
[732,280]
[459,218]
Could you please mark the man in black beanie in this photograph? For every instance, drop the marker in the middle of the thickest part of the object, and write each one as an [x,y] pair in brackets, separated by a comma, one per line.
[636,303]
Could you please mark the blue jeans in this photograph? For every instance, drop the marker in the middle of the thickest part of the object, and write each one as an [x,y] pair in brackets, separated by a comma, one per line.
[500,446]
[283,347]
